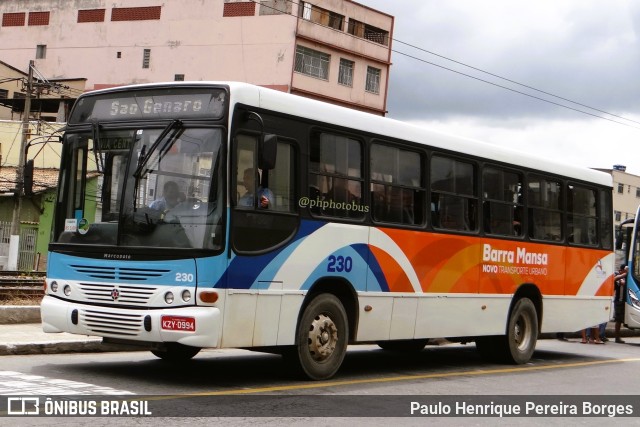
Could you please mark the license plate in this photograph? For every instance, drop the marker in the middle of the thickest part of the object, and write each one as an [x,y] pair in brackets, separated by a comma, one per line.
[178,323]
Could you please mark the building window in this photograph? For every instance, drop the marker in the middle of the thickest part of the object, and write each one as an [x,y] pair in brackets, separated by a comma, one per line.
[118,54]
[637,191]
[91,15]
[178,77]
[312,62]
[275,7]
[618,215]
[305,10]
[244,8]
[345,73]
[39,18]
[41,51]
[13,19]
[4,94]
[620,188]
[373,80]
[336,21]
[368,32]
[310,12]
[135,13]
[146,58]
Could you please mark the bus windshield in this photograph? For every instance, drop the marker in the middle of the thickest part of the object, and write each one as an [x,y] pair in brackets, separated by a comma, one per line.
[155,187]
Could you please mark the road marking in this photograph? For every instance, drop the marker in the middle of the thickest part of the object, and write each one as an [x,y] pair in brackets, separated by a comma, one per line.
[317,385]
[25,384]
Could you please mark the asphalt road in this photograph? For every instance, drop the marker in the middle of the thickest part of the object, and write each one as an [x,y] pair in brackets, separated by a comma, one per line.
[372,384]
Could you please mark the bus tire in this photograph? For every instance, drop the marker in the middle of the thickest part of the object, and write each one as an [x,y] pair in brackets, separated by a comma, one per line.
[321,339]
[522,332]
[518,345]
[403,346]
[176,352]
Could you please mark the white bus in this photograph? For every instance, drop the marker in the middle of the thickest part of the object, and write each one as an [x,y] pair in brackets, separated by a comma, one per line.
[218,214]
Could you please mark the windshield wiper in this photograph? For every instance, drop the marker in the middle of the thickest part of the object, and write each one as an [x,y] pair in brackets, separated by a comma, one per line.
[97,152]
[162,139]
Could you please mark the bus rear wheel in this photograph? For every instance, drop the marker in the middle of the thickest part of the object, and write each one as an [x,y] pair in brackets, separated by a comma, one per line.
[321,338]
[176,352]
[518,345]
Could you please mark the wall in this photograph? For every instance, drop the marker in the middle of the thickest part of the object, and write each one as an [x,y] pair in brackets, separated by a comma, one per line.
[190,38]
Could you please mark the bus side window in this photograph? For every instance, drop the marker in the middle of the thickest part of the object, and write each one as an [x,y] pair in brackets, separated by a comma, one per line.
[397,189]
[335,175]
[454,192]
[502,204]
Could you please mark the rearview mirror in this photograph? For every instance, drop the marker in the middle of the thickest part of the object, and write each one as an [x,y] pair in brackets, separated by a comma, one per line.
[268,151]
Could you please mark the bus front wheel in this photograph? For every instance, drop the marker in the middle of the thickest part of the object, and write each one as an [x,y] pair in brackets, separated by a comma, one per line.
[176,352]
[321,338]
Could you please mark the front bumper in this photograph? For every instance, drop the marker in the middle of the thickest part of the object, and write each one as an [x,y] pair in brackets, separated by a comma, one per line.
[130,324]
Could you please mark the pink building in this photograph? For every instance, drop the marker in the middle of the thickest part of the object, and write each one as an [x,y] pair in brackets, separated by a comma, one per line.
[334,50]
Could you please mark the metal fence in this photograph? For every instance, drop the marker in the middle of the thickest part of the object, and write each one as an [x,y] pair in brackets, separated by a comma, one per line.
[27,251]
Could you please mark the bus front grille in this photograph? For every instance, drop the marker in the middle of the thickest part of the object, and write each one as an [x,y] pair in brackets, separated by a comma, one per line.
[119,273]
[121,294]
[119,324]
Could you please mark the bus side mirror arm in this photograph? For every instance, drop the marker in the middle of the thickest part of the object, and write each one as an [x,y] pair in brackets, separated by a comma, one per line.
[267,146]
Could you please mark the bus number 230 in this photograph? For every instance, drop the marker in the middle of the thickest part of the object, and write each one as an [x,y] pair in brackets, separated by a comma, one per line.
[339,264]
[184,277]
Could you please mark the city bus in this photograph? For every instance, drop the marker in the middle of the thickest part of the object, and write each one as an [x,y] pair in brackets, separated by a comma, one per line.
[628,240]
[197,215]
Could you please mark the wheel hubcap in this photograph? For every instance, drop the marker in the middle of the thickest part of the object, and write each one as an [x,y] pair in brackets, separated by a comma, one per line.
[323,337]
[521,332]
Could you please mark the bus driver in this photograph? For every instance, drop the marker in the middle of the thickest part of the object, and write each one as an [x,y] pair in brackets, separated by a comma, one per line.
[265,196]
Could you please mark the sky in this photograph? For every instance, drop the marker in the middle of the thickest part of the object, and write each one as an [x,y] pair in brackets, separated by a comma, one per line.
[585,51]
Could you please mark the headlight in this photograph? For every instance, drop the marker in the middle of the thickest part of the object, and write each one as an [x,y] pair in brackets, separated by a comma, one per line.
[168,297]
[634,298]
[54,286]
[67,290]
[186,295]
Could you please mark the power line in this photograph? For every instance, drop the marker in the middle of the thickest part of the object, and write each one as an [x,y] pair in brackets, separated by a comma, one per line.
[509,80]
[474,68]
[520,92]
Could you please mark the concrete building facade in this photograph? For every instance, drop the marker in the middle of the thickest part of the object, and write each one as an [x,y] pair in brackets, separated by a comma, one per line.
[335,50]
[626,194]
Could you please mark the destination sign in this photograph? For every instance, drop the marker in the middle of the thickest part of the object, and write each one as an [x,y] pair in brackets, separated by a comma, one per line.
[116,143]
[154,104]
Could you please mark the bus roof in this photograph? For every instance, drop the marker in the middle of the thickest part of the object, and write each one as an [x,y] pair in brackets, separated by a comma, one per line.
[345,117]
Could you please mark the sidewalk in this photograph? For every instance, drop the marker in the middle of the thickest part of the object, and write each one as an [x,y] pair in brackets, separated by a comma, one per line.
[28,338]
[21,333]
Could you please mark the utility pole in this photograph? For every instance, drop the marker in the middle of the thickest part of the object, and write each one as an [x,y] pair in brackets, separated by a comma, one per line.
[14,242]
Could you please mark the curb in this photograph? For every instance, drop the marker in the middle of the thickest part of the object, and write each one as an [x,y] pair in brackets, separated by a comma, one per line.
[95,346]
[14,314]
